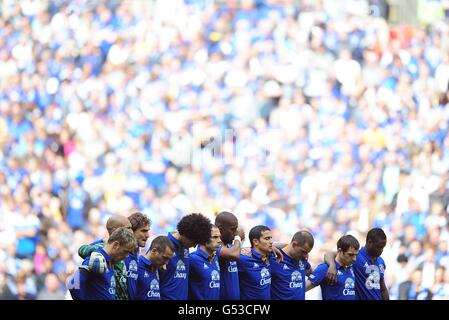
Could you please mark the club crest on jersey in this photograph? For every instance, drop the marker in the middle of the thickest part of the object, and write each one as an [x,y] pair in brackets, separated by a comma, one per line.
[301,265]
[186,253]
[381,268]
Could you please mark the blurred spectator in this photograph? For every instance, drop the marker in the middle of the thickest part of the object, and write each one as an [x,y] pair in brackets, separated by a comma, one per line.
[52,290]
[428,267]
[5,292]
[27,227]
[412,289]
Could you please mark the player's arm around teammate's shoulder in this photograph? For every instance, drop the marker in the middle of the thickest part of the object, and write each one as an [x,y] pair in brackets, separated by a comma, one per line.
[329,259]
[317,276]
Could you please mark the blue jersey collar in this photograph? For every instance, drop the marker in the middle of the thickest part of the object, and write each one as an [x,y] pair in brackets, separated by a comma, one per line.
[204,255]
[147,263]
[258,255]
[337,265]
[366,254]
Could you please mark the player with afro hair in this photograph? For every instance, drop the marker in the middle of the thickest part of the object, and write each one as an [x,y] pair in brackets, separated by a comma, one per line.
[192,229]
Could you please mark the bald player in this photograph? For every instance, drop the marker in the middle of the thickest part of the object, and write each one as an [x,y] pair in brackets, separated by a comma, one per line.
[117,221]
[228,254]
[98,263]
[288,277]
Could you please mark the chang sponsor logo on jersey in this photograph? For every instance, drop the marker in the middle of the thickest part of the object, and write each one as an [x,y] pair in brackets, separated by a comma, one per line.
[132,272]
[265,276]
[181,270]
[112,286]
[233,267]
[215,280]
[349,287]
[296,280]
[154,289]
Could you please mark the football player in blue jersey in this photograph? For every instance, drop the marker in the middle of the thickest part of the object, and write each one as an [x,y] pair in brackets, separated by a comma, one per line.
[159,254]
[174,280]
[288,277]
[92,282]
[254,267]
[369,268]
[204,275]
[344,286]
[141,225]
[232,238]
[113,223]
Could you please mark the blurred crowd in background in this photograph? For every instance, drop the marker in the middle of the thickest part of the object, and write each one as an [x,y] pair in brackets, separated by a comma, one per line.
[291,114]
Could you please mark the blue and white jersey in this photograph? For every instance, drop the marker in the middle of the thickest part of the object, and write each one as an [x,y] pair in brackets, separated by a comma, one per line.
[174,280]
[93,286]
[288,278]
[204,282]
[229,279]
[131,262]
[368,276]
[254,276]
[147,281]
[343,289]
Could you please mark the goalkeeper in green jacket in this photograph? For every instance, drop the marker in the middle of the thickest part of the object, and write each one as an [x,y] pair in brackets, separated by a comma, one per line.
[113,223]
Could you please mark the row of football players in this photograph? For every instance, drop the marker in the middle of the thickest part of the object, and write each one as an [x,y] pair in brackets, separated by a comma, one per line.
[220,268]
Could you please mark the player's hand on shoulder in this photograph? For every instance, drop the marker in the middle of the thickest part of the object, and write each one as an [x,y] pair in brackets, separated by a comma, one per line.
[241,233]
[331,275]
[278,254]
[246,252]
[97,263]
